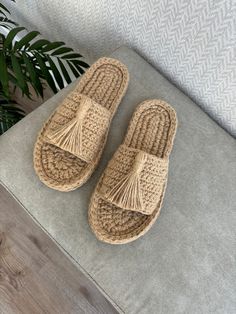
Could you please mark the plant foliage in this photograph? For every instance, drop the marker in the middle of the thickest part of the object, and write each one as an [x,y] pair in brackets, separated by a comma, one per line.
[31,61]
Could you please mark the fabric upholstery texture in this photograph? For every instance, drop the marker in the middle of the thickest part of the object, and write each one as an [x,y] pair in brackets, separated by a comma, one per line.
[191,42]
[186,262]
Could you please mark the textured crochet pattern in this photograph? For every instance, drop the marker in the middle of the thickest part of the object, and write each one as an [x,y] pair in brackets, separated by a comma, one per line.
[128,197]
[70,144]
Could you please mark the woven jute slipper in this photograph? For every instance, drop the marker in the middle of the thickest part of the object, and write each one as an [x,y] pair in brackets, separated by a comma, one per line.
[128,197]
[70,144]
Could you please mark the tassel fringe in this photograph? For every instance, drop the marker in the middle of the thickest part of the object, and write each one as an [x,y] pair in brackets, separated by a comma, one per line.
[127,193]
[69,137]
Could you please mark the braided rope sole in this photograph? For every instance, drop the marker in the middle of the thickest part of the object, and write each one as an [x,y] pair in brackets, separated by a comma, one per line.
[105,82]
[152,130]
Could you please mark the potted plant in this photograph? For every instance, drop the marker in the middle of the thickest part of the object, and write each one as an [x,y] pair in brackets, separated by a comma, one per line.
[30,61]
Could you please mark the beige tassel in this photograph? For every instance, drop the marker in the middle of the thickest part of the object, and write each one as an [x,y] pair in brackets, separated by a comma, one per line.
[69,136]
[127,193]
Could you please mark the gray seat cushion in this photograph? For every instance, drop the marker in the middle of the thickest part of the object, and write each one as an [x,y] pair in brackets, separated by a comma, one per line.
[186,262]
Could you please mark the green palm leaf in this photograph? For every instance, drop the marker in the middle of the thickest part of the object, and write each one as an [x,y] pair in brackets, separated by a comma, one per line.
[52,46]
[25,41]
[4,21]
[61,51]
[39,44]
[3,8]
[56,73]
[45,71]
[4,75]
[64,71]
[72,56]
[35,81]
[21,79]
[9,39]
[77,66]
[9,115]
[73,69]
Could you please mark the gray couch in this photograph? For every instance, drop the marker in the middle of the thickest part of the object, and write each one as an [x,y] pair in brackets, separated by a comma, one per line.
[186,262]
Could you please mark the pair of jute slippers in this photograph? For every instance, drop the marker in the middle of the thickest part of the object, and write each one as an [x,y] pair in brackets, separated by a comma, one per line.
[128,196]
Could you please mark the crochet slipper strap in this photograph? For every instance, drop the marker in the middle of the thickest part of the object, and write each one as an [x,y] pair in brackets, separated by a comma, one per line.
[134,180]
[83,131]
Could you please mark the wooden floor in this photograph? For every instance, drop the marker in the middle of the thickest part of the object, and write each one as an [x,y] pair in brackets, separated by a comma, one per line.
[35,275]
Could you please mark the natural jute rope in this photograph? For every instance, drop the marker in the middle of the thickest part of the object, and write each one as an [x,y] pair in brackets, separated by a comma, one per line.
[128,197]
[70,144]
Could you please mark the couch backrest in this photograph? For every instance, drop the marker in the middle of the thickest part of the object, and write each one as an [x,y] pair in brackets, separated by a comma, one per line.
[190,41]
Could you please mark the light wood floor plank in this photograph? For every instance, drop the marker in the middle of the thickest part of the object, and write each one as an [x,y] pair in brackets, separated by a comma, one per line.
[35,275]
